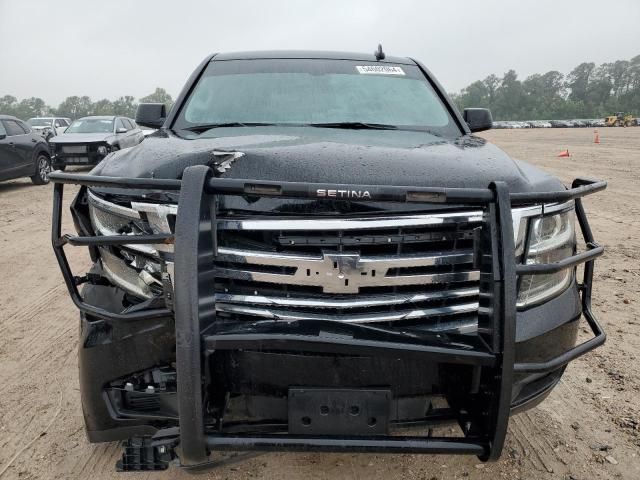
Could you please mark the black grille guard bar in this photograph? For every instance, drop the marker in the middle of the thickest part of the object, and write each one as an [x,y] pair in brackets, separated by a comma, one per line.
[378,193]
[484,434]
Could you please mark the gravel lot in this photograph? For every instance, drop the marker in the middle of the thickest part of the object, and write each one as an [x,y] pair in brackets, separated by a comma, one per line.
[588,428]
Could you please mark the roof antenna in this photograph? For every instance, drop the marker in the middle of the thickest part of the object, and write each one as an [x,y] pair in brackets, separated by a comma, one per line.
[379,53]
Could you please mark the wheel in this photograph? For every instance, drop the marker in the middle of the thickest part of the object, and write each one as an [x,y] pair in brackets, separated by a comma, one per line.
[43,168]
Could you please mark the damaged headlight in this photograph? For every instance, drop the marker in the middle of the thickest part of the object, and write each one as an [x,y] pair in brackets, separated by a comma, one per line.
[137,268]
[551,238]
[103,150]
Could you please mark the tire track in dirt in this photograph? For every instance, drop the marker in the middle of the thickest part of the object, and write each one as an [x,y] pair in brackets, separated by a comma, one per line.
[44,404]
[28,347]
[40,363]
[102,458]
[34,345]
[45,394]
[535,454]
[33,309]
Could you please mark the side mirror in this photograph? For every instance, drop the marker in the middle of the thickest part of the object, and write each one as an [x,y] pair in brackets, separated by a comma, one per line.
[151,115]
[478,119]
[121,130]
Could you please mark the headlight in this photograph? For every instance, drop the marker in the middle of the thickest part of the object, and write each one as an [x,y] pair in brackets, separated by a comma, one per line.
[136,268]
[103,150]
[551,238]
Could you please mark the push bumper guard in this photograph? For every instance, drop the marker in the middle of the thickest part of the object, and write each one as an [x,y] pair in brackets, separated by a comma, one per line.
[492,351]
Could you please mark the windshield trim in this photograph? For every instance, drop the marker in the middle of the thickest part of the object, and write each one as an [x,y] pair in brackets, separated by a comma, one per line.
[205,128]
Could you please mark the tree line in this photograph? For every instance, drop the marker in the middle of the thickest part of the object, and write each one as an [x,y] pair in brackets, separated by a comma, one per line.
[80,106]
[588,91]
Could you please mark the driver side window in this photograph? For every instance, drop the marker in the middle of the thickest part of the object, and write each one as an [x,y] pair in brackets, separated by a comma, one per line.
[120,124]
[2,130]
[13,129]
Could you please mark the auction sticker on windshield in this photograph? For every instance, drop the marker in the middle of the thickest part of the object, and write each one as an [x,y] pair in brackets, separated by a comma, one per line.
[380,69]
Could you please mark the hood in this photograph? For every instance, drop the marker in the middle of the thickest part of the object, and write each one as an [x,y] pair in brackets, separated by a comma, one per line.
[82,138]
[330,156]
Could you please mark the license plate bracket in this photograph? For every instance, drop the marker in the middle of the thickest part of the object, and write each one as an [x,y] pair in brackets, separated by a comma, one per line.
[321,411]
[77,160]
[74,149]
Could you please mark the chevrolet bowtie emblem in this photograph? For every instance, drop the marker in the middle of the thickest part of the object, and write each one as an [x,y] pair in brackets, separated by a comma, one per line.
[340,272]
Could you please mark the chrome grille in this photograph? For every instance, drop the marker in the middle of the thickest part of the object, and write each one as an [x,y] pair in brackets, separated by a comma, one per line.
[409,270]
[74,149]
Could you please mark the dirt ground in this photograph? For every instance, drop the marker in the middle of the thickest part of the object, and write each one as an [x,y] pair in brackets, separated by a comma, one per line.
[589,428]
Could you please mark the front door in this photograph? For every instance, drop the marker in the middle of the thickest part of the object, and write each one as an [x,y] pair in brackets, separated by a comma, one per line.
[11,158]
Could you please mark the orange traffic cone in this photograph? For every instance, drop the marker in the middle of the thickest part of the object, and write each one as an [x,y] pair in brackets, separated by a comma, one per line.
[596,136]
[564,153]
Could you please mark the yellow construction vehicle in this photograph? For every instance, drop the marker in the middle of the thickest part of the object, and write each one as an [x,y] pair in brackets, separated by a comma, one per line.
[619,119]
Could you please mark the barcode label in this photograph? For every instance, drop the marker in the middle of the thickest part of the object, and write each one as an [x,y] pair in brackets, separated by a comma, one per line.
[380,70]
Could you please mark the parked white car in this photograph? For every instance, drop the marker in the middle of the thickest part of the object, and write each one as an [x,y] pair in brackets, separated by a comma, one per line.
[49,127]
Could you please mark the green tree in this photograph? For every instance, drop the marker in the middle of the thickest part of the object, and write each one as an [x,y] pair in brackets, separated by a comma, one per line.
[102,107]
[475,94]
[8,105]
[578,81]
[75,107]
[31,107]
[599,92]
[618,73]
[159,96]
[492,83]
[588,91]
[125,106]
[545,95]
[511,98]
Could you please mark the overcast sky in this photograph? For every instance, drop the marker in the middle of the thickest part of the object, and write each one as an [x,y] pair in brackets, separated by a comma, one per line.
[107,48]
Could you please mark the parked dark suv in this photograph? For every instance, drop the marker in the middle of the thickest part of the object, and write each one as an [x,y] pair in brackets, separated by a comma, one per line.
[314,252]
[23,153]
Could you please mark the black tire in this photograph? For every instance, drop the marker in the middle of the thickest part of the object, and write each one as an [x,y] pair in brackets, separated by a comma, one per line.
[43,168]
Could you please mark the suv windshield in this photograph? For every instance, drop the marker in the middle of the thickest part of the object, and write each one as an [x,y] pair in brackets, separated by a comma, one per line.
[311,91]
[39,122]
[91,125]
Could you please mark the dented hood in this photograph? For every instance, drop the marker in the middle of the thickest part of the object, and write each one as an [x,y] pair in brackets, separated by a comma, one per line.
[329,156]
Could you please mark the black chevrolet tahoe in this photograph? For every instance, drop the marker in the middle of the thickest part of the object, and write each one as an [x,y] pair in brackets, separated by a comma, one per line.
[315,253]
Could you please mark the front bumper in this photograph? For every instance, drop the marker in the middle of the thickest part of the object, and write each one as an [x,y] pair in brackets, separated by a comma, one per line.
[505,367]
[90,156]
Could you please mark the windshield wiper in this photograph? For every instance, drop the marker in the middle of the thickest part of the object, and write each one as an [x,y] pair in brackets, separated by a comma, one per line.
[204,128]
[355,126]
